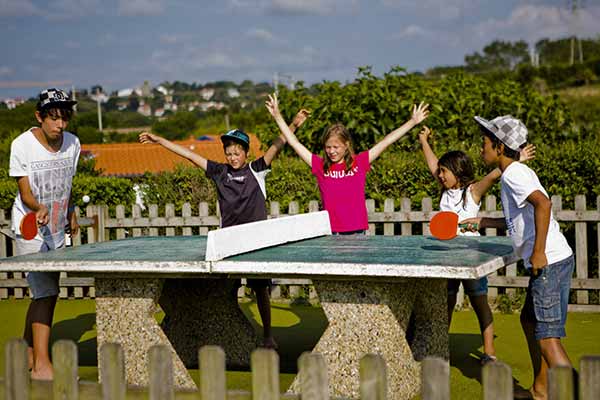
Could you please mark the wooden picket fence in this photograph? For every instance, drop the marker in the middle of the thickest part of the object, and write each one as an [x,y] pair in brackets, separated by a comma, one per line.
[132,221]
[497,380]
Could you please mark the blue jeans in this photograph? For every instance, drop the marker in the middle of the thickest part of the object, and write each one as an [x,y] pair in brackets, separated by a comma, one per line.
[41,284]
[473,287]
[547,299]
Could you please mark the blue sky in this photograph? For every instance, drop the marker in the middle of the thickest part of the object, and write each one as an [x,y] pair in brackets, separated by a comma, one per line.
[121,43]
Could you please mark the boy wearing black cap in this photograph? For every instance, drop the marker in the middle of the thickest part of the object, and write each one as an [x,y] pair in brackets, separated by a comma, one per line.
[537,240]
[44,160]
[241,191]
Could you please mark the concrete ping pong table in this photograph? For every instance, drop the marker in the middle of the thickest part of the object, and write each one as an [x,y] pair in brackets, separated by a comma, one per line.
[368,287]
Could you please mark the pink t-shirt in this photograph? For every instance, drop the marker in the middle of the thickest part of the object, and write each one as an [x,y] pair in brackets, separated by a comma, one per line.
[343,193]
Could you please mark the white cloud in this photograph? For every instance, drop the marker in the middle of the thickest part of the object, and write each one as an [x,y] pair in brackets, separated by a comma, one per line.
[264,35]
[6,71]
[141,7]
[18,8]
[533,22]
[72,44]
[442,9]
[431,35]
[169,38]
[294,7]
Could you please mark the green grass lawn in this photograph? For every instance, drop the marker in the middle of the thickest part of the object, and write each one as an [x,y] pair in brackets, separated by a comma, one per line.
[297,329]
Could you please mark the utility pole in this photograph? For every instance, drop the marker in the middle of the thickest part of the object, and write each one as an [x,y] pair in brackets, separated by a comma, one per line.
[276,77]
[99,107]
[575,6]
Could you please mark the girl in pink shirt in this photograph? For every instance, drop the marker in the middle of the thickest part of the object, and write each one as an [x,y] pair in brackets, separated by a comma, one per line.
[341,174]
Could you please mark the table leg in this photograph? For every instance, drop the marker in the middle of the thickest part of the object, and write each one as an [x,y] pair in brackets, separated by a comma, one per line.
[199,312]
[373,317]
[125,311]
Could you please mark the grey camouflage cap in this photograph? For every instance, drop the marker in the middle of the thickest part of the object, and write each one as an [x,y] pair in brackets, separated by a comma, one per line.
[508,129]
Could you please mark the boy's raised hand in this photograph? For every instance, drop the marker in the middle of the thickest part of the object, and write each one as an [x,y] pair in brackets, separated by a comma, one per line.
[527,153]
[424,134]
[147,137]
[419,113]
[272,104]
[300,118]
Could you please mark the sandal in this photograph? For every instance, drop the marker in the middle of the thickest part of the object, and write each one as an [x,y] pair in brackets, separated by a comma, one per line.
[486,358]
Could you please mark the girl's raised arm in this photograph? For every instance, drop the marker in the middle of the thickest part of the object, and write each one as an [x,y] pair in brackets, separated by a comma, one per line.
[480,188]
[273,107]
[280,141]
[146,137]
[419,113]
[430,157]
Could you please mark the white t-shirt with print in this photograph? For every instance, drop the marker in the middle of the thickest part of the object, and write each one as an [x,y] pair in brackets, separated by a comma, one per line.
[518,182]
[50,177]
[452,200]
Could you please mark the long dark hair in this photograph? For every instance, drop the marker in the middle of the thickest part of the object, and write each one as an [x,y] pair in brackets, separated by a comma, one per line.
[461,166]
[341,133]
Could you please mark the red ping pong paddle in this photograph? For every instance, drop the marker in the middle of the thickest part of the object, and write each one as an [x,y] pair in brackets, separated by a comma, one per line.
[444,224]
[28,226]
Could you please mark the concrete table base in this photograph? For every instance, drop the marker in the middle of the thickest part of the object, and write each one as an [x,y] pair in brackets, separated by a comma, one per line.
[202,312]
[197,312]
[371,317]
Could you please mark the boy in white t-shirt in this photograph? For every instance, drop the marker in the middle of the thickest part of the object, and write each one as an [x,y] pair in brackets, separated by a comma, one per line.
[44,160]
[537,240]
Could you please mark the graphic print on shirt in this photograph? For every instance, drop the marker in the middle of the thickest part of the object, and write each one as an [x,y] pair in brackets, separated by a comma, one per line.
[50,182]
[341,174]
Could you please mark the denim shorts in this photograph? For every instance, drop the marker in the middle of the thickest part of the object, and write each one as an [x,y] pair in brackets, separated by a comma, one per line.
[41,284]
[548,299]
[473,287]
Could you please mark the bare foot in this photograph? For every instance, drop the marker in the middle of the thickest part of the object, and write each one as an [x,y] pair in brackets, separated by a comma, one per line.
[270,343]
[42,374]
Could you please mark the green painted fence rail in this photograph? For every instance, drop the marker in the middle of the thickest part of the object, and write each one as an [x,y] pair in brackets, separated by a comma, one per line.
[396,218]
[497,380]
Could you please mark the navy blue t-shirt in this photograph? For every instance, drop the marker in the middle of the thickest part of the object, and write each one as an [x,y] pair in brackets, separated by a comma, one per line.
[242,194]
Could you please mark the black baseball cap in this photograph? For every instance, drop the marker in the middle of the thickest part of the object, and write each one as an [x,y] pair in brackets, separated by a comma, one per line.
[55,98]
[237,136]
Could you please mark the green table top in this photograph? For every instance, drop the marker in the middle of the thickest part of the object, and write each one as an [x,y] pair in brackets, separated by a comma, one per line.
[392,256]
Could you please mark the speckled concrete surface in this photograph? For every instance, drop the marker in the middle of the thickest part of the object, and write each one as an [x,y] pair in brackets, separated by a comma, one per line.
[371,317]
[199,312]
[125,311]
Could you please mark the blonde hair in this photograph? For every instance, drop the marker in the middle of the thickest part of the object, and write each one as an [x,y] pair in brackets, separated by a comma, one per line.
[338,130]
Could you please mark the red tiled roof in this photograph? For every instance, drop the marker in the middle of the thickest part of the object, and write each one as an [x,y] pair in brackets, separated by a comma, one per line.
[129,159]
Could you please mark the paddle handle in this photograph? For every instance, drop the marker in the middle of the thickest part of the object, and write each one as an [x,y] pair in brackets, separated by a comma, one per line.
[465,226]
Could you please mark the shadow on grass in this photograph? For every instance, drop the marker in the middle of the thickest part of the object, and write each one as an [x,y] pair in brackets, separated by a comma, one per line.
[296,338]
[73,329]
[465,356]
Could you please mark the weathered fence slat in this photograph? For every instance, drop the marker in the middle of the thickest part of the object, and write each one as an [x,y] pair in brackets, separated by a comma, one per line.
[153,213]
[64,358]
[170,213]
[120,212]
[405,207]
[314,384]
[373,378]
[186,211]
[497,381]
[265,374]
[112,368]
[160,370]
[435,379]
[16,374]
[371,209]
[136,212]
[589,378]
[560,384]
[490,205]
[203,212]
[212,373]
[581,256]
[388,207]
